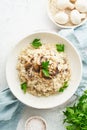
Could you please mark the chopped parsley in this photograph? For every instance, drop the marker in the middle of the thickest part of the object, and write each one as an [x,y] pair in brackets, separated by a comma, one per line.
[60,47]
[24,87]
[45,68]
[36,43]
[65,85]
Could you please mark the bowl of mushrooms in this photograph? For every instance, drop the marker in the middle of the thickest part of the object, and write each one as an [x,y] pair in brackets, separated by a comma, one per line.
[67,13]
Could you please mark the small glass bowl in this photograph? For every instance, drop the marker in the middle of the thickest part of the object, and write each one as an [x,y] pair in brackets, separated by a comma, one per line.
[35,121]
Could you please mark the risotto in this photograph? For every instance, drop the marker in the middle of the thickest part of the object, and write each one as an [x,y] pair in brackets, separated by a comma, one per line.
[43,70]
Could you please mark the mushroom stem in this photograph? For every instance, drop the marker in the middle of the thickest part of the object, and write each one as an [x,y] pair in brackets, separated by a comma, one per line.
[70,5]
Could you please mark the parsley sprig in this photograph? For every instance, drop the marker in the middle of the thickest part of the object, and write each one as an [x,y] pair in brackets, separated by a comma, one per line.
[24,87]
[65,85]
[76,116]
[60,47]
[36,43]
[45,68]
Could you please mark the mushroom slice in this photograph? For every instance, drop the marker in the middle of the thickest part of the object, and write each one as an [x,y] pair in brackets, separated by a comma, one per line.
[27,66]
[36,67]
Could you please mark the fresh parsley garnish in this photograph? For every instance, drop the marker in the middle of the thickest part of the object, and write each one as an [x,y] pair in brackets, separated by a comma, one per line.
[76,116]
[36,43]
[65,85]
[45,64]
[45,68]
[24,87]
[46,72]
[60,47]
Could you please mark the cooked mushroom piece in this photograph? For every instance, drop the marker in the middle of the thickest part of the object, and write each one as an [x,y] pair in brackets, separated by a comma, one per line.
[55,72]
[36,67]
[27,66]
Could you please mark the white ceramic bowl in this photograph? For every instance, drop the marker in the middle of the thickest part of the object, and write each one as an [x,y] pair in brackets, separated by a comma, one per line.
[60,25]
[34,121]
[50,101]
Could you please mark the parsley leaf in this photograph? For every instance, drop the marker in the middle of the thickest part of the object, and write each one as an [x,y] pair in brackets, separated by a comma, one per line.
[60,47]
[76,116]
[45,68]
[45,72]
[36,43]
[45,65]
[24,87]
[65,85]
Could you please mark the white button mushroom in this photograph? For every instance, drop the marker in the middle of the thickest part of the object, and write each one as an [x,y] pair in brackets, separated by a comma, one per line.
[63,4]
[61,18]
[81,5]
[76,17]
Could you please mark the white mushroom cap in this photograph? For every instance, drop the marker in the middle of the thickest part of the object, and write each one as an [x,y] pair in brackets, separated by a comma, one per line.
[61,18]
[63,4]
[81,5]
[76,17]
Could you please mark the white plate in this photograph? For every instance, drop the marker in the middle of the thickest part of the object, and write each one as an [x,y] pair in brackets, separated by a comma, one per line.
[60,25]
[54,100]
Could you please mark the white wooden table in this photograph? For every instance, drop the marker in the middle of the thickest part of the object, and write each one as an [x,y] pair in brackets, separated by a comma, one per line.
[17,19]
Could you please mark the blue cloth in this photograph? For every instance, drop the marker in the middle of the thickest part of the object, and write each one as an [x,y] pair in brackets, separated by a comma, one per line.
[78,38]
[11,108]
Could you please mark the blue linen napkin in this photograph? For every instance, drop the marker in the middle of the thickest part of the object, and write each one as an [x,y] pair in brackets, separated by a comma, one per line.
[11,108]
[78,38]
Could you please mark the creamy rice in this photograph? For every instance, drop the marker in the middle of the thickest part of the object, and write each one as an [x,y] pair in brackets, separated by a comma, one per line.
[29,69]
